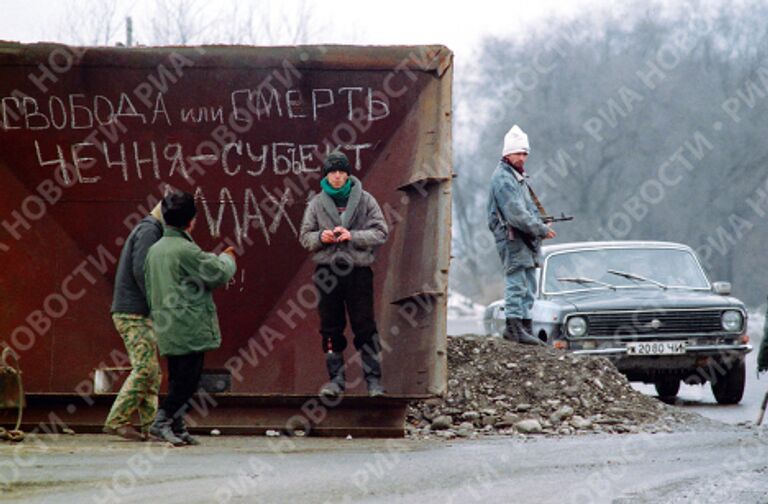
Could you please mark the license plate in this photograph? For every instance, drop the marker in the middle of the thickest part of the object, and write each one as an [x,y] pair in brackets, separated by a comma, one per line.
[656,348]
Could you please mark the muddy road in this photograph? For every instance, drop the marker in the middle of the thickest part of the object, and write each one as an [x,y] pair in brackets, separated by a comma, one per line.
[712,463]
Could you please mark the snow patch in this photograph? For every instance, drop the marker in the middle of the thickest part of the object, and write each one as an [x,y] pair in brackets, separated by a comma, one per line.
[461,307]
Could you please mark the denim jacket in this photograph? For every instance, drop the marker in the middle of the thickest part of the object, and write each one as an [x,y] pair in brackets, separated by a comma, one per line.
[509,196]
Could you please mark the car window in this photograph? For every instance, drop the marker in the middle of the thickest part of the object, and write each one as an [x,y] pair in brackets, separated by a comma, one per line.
[671,267]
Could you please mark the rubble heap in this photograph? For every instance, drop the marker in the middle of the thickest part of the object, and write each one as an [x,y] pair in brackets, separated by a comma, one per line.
[497,387]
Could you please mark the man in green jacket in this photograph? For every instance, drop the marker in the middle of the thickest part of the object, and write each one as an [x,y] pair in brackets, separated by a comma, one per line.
[179,280]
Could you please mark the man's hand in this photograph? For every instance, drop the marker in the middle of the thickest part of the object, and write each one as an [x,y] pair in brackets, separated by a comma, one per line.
[327,237]
[342,234]
[231,252]
[550,234]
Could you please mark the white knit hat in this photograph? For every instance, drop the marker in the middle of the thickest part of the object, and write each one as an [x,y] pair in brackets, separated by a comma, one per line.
[515,141]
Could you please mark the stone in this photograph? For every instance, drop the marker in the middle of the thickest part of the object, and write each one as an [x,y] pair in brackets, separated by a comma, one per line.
[529,426]
[571,391]
[442,422]
[470,415]
[489,420]
[523,407]
[580,423]
[508,420]
[561,414]
[465,433]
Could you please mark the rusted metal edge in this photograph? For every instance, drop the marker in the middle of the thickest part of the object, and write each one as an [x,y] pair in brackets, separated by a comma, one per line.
[427,58]
[417,295]
[358,416]
[240,398]
[417,183]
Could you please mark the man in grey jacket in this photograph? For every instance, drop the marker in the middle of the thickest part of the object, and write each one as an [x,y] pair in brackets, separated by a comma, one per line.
[130,315]
[518,228]
[343,225]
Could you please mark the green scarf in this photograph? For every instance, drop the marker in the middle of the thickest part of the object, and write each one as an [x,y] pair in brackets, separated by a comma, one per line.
[340,196]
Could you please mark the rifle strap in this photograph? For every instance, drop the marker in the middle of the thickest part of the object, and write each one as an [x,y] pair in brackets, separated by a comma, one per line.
[500,216]
[536,200]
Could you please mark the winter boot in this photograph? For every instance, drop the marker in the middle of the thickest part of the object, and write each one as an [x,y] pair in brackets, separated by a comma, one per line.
[334,363]
[161,429]
[180,429]
[372,372]
[510,331]
[528,325]
[515,327]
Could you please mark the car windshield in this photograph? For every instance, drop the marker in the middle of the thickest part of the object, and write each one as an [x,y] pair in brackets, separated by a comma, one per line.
[662,267]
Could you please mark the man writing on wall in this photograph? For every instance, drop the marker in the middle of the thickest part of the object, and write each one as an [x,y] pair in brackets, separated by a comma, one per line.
[180,278]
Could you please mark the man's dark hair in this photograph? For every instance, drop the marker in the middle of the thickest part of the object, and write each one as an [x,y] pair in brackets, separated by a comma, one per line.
[179,209]
[336,161]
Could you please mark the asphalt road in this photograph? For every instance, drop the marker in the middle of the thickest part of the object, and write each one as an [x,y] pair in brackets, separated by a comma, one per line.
[720,464]
[710,462]
[699,398]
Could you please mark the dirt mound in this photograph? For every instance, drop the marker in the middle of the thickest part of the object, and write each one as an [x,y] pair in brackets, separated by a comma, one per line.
[498,387]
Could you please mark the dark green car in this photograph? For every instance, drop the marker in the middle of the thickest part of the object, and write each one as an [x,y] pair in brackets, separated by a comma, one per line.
[648,307]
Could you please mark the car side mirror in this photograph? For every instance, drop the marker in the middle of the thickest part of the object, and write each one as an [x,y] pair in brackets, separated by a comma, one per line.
[722,288]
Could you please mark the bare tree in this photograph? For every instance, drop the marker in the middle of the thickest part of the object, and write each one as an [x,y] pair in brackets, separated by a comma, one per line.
[607,178]
[191,22]
[181,22]
[94,22]
[267,22]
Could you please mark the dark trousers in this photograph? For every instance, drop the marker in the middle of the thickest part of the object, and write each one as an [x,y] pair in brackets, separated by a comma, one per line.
[184,373]
[351,295]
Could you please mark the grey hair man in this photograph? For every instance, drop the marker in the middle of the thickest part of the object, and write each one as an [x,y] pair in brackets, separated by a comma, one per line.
[518,228]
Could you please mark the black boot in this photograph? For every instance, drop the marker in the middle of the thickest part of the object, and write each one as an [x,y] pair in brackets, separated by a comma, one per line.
[372,371]
[510,331]
[517,331]
[334,363]
[180,429]
[528,325]
[161,429]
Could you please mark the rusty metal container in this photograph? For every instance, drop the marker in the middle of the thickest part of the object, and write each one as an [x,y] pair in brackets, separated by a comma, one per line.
[90,138]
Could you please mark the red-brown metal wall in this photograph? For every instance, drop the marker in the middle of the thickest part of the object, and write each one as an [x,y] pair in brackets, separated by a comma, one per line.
[59,244]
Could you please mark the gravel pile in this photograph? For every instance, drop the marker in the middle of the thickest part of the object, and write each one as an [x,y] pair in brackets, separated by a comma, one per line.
[497,387]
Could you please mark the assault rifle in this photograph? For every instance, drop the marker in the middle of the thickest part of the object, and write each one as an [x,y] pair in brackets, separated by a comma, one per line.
[549,219]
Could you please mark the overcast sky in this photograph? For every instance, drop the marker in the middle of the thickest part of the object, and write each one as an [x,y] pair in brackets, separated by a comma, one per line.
[460,26]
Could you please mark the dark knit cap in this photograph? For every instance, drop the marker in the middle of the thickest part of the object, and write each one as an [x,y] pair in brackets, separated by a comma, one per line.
[179,209]
[336,161]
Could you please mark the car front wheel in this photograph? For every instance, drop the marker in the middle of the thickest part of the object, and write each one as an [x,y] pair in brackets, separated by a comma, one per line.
[667,388]
[729,388]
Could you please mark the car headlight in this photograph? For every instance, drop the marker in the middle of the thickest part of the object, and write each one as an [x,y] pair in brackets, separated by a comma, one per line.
[576,326]
[732,320]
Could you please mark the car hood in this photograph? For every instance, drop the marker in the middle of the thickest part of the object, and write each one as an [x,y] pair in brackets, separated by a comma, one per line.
[646,299]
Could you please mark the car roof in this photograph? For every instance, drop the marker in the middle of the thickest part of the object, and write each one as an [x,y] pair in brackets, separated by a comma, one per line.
[591,245]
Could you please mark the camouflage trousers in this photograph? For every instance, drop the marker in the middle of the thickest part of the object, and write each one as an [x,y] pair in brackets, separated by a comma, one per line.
[139,391]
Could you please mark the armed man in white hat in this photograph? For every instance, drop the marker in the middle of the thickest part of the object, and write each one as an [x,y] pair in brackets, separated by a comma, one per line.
[515,219]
